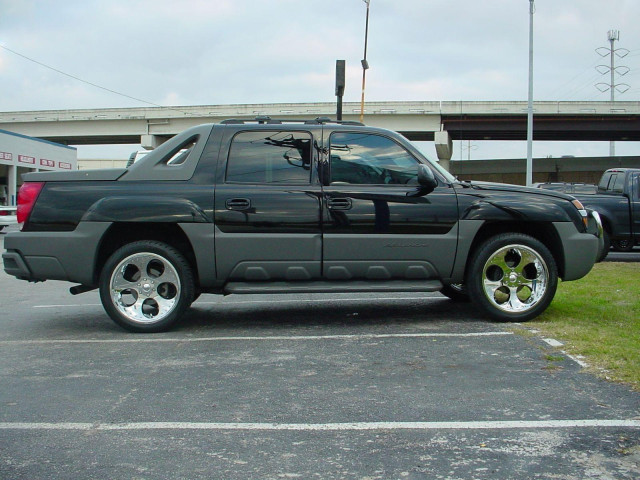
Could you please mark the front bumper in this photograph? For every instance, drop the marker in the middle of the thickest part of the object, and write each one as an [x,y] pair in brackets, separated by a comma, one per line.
[580,250]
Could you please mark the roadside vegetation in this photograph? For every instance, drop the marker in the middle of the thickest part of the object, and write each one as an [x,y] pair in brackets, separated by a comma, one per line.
[598,317]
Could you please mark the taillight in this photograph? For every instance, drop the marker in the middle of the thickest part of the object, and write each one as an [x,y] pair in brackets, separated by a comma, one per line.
[27,196]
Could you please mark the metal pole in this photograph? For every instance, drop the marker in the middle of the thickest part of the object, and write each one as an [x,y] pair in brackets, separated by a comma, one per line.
[612,38]
[365,65]
[529,179]
[340,85]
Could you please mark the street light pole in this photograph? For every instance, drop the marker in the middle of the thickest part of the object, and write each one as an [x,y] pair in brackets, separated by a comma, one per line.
[529,179]
[365,64]
[613,35]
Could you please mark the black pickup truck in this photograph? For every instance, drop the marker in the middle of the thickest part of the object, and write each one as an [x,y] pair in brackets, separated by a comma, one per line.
[274,206]
[618,203]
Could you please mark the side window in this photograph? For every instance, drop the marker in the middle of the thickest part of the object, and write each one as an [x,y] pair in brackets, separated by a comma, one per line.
[369,159]
[604,182]
[270,157]
[618,187]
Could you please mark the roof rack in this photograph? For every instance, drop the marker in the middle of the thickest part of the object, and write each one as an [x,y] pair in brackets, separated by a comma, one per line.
[263,119]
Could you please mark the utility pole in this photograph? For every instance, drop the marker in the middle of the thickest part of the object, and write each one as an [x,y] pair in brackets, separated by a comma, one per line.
[365,64]
[612,36]
[529,175]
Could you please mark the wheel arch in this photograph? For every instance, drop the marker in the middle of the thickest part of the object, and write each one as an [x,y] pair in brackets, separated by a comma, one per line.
[542,231]
[120,234]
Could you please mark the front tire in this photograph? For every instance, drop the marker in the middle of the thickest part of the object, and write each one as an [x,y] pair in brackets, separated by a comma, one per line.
[512,278]
[146,286]
[456,292]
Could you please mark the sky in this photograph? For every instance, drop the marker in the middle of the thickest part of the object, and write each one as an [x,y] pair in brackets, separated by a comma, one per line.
[198,52]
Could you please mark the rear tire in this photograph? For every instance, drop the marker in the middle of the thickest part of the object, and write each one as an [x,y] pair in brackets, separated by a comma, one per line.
[624,245]
[146,286]
[512,278]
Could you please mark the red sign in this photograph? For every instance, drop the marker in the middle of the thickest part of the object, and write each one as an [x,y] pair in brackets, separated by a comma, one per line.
[6,156]
[65,165]
[47,163]
[26,159]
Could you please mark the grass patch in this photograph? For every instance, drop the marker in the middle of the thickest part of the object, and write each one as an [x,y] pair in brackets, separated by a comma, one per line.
[599,317]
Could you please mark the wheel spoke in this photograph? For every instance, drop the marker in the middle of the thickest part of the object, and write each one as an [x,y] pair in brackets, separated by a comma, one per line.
[164,305]
[514,302]
[499,261]
[119,283]
[491,287]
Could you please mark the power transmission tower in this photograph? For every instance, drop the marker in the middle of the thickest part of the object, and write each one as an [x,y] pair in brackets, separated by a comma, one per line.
[613,36]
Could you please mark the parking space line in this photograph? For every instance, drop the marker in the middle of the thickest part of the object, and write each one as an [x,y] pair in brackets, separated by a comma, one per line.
[349,426]
[364,336]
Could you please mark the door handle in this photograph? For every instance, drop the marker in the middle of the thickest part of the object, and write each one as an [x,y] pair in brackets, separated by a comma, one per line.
[339,203]
[238,204]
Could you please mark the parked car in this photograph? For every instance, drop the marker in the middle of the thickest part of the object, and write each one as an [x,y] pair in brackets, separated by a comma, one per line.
[271,206]
[7,216]
[618,203]
[135,156]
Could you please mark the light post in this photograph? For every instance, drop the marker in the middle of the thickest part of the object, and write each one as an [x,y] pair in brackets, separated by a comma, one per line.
[529,174]
[365,64]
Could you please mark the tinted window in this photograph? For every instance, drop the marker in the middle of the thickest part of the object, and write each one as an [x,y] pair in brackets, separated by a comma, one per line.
[363,158]
[270,157]
[618,187]
[604,181]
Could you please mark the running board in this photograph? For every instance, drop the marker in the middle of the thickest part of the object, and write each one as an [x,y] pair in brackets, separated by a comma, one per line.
[334,287]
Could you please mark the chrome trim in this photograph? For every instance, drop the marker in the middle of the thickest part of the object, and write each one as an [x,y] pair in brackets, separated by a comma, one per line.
[599,228]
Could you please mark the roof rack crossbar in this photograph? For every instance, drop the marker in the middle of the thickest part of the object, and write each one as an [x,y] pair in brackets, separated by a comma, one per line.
[263,119]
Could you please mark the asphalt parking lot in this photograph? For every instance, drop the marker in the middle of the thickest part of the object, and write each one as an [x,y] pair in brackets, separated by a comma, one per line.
[304,386]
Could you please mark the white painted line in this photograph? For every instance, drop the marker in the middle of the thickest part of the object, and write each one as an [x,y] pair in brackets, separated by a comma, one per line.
[365,336]
[484,425]
[69,306]
[557,344]
[577,359]
[249,302]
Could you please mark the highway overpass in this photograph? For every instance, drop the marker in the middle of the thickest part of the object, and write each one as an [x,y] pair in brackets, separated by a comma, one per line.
[422,121]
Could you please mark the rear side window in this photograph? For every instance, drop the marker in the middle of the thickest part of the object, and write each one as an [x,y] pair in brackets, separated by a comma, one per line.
[270,157]
[618,186]
[604,182]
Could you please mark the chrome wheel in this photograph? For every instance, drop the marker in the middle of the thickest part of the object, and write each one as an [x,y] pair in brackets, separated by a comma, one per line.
[145,288]
[515,278]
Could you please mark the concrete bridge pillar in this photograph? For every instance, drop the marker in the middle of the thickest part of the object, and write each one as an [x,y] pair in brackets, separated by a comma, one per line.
[151,142]
[444,148]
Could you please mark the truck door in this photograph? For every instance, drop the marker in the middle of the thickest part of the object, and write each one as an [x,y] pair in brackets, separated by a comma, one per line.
[374,225]
[267,205]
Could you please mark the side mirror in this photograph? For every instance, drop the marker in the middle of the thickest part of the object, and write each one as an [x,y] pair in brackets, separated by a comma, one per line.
[427,181]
